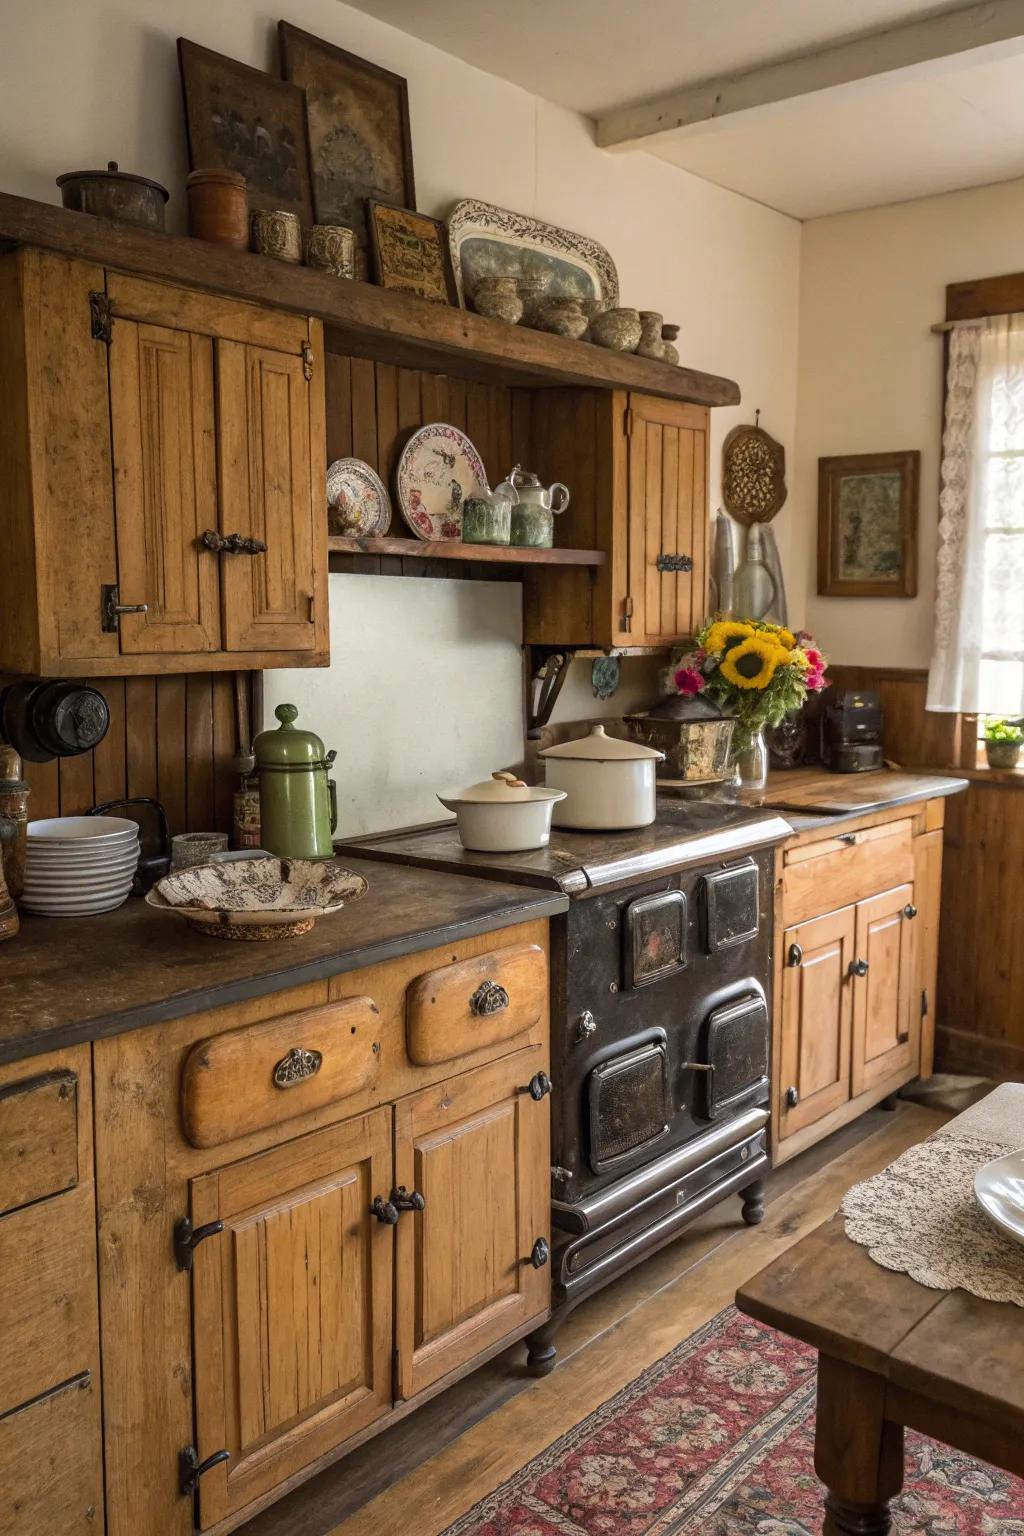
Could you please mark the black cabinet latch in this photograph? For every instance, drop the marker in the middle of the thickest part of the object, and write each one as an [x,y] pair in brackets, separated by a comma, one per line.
[539,1253]
[538,1087]
[191,1469]
[187,1237]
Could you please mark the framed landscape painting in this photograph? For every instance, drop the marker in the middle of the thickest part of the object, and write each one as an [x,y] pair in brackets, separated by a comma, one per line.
[360,146]
[240,119]
[867,524]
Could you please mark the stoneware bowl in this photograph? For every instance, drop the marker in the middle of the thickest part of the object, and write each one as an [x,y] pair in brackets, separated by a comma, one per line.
[617,329]
[257,898]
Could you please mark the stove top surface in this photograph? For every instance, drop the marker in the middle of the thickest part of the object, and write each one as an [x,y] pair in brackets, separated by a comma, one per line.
[685,832]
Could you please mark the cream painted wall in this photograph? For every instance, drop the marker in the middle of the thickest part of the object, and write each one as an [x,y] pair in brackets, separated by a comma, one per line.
[90,80]
[870,379]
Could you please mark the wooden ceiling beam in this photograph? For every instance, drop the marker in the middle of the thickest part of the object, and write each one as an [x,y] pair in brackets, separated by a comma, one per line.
[994,29]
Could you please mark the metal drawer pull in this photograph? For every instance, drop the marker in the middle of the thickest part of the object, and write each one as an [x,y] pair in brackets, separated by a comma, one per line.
[674,563]
[297,1067]
[232,543]
[490,997]
[698,1066]
[910,910]
[586,1024]
[191,1469]
[857,968]
[402,1200]
[187,1238]
[538,1086]
[792,1097]
[384,1211]
[794,955]
[539,1253]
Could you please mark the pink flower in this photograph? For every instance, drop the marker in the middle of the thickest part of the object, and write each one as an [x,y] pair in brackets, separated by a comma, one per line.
[815,658]
[689,680]
[815,679]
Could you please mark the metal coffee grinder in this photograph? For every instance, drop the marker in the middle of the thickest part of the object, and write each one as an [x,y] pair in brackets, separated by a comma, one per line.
[298,798]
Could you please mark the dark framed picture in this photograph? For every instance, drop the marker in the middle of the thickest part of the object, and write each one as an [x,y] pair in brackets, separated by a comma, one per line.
[360,145]
[240,119]
[867,524]
[410,253]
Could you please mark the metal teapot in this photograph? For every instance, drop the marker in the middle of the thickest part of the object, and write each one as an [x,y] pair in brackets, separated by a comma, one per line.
[298,799]
[533,519]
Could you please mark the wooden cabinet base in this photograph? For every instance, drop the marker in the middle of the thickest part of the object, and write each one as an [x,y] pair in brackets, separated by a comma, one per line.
[851,1110]
[51,1478]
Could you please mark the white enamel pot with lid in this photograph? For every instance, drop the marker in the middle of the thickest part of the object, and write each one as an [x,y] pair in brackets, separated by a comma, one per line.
[503,814]
[609,783]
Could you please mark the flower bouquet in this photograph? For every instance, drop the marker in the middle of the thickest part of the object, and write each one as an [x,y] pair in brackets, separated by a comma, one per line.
[754,671]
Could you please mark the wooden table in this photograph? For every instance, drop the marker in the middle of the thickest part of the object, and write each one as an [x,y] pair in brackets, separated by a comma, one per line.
[892,1354]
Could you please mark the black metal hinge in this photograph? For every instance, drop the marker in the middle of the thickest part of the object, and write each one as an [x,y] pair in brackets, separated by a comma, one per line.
[102,317]
[307,361]
[674,563]
[191,1469]
[187,1238]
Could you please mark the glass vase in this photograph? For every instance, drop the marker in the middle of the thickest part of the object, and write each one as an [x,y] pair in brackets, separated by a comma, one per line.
[751,763]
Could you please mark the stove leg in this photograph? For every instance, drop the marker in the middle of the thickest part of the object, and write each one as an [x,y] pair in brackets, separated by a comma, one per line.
[753,1202]
[542,1354]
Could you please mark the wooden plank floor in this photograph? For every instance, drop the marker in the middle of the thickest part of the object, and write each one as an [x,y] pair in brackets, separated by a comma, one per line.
[425,1472]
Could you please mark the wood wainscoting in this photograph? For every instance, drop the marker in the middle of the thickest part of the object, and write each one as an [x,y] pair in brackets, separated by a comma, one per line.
[980,1002]
[170,737]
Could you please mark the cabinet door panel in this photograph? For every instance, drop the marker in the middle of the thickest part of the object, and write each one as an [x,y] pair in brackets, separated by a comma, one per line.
[165,487]
[477,1148]
[886,1026]
[292,1307]
[666,516]
[266,493]
[817,1018]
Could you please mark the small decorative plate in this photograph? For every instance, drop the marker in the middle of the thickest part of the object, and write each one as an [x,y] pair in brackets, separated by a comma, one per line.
[999,1190]
[438,469]
[357,500]
[267,898]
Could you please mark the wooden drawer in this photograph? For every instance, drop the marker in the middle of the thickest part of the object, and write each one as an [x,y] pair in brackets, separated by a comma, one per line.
[47,1295]
[51,1465]
[263,1074]
[475,1004]
[38,1137]
[840,871]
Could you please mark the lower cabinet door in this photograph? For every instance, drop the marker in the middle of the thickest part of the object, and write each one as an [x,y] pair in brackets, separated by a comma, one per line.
[292,1307]
[886,1024]
[472,1264]
[817,1019]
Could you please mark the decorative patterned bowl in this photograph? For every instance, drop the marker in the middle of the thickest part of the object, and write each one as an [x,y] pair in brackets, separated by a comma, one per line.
[257,898]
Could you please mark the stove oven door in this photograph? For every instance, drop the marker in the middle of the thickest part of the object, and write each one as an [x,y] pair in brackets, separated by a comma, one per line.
[734,1068]
[628,1105]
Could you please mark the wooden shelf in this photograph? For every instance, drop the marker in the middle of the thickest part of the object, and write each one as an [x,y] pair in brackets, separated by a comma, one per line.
[360,320]
[479,554]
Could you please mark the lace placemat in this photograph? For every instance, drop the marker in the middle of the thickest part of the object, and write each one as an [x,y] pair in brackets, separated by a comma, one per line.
[919,1216]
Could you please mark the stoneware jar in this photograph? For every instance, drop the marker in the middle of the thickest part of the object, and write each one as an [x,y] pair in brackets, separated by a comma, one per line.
[616,329]
[650,343]
[278,234]
[498,297]
[218,208]
[669,351]
[531,289]
[562,317]
[609,783]
[332,248]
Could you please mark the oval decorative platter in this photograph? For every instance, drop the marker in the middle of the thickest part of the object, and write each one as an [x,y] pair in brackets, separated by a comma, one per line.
[999,1190]
[266,898]
[487,241]
[438,469]
[357,500]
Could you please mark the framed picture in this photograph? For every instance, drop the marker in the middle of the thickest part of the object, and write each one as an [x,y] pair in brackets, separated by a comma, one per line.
[867,524]
[360,146]
[240,119]
[410,253]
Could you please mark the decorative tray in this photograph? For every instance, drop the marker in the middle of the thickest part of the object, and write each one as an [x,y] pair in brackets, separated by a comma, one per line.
[487,241]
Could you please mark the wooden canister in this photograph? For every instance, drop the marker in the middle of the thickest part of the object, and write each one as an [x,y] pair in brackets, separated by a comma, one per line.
[218,208]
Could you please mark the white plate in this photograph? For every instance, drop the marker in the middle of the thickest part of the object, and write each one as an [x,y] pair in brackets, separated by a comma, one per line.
[79,831]
[77,909]
[91,883]
[438,469]
[68,858]
[357,501]
[999,1190]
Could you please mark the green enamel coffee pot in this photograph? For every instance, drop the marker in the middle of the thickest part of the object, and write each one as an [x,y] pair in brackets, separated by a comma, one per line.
[298,799]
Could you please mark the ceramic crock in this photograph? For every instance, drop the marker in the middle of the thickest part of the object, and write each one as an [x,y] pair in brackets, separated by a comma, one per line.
[503,815]
[298,799]
[609,783]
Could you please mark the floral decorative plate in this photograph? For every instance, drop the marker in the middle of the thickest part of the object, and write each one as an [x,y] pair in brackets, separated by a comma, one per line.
[438,469]
[357,500]
[487,241]
[266,898]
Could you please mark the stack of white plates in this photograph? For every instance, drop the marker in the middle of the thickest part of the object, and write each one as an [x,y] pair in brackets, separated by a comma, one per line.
[76,865]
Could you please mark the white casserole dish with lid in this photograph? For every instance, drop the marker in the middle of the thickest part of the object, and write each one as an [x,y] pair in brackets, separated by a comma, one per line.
[609,783]
[503,814]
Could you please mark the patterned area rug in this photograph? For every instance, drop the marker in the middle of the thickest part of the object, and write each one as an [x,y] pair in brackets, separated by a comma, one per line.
[717,1439]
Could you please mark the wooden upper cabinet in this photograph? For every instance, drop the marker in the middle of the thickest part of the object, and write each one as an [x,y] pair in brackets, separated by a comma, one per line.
[143,417]
[477,1148]
[292,1307]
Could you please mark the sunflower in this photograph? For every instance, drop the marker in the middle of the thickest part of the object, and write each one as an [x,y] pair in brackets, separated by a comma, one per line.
[725,633]
[785,637]
[751,664]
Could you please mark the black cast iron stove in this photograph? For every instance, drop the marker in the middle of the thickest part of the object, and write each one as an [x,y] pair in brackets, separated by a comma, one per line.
[660,1026]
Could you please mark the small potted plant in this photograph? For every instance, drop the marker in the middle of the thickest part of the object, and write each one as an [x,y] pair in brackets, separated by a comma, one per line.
[1003,742]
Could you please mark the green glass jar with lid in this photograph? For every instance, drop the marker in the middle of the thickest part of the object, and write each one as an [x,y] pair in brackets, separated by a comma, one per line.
[298,798]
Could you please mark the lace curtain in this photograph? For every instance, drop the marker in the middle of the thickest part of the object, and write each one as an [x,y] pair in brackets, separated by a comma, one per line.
[978,656]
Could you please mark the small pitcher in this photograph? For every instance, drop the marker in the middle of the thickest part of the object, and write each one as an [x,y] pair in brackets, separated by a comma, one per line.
[533,519]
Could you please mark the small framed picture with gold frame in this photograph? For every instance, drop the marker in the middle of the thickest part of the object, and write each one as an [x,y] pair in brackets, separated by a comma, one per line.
[410,253]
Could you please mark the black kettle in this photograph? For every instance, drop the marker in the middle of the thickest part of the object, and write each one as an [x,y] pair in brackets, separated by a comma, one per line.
[44,720]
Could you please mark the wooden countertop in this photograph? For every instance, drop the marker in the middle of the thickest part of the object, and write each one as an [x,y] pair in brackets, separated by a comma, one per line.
[813,797]
[65,980]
